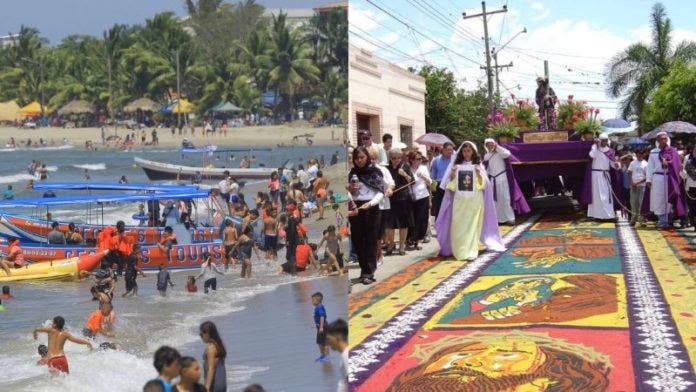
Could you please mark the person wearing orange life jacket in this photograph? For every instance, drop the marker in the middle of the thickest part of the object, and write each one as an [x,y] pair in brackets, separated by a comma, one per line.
[167,241]
[14,258]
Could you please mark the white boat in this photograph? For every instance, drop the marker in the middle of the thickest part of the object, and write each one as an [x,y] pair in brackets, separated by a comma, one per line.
[167,171]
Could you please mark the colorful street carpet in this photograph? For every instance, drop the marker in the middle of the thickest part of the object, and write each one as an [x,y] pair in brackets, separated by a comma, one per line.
[572,305]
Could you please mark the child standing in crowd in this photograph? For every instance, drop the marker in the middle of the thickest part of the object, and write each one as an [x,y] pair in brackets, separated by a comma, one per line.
[637,172]
[163,279]
[270,235]
[320,323]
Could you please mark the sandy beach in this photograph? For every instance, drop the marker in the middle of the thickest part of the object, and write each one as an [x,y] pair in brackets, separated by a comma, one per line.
[262,136]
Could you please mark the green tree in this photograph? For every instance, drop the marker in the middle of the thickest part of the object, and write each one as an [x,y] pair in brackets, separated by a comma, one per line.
[674,99]
[638,70]
[289,61]
[459,114]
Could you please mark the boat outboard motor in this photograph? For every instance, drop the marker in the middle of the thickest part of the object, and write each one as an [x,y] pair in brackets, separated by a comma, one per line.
[187,143]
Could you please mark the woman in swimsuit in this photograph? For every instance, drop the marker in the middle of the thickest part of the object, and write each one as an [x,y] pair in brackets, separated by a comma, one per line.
[244,246]
[214,356]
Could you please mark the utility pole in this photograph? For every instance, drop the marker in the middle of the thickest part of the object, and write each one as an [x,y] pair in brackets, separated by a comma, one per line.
[178,92]
[109,104]
[43,98]
[489,72]
[497,67]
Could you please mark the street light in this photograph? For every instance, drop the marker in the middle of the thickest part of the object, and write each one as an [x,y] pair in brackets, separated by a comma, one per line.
[41,84]
[495,59]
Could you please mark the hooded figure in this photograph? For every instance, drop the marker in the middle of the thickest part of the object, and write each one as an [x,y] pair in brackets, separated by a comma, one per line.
[506,192]
[467,215]
[664,193]
[599,181]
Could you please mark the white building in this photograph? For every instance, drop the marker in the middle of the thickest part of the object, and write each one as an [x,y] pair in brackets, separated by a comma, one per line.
[384,98]
[7,40]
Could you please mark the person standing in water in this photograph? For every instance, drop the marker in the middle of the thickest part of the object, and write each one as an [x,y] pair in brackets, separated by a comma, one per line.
[320,323]
[132,272]
[163,279]
[208,271]
[244,246]
[57,361]
[229,240]
[214,355]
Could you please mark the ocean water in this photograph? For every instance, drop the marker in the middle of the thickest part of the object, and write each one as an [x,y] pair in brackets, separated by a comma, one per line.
[265,322]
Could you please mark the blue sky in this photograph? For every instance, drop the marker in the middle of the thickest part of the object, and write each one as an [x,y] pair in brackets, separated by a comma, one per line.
[57,19]
[576,37]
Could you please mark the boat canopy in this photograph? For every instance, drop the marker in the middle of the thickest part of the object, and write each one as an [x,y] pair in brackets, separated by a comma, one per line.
[55,201]
[108,186]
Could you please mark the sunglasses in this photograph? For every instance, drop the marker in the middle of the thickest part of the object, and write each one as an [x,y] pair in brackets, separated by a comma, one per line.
[365,138]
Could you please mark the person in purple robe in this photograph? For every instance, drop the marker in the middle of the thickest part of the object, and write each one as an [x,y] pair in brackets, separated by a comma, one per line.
[664,194]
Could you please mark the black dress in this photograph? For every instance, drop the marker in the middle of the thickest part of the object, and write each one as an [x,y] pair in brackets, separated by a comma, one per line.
[400,215]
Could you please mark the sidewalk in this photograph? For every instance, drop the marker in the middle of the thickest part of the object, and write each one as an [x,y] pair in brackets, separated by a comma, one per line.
[392,265]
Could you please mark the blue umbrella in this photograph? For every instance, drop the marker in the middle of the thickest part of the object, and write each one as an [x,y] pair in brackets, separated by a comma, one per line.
[616,123]
[636,142]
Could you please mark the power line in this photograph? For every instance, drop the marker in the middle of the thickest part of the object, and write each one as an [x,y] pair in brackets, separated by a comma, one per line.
[502,25]
[385,46]
[420,33]
[564,54]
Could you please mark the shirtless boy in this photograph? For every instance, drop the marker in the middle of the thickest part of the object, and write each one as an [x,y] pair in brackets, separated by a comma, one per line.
[270,235]
[229,239]
[57,361]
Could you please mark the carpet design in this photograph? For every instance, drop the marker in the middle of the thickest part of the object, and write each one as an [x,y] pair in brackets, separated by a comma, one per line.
[572,305]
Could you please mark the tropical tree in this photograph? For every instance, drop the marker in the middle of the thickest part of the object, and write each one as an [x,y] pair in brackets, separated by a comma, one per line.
[639,69]
[289,61]
[674,99]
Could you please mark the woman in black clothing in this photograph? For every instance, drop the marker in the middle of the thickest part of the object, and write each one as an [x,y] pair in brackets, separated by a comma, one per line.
[401,212]
[366,186]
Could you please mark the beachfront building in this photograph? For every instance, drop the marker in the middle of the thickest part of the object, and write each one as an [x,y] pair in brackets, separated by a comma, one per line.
[8,40]
[384,98]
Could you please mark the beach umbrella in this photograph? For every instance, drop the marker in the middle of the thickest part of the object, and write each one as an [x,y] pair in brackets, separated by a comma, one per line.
[433,139]
[636,142]
[226,107]
[672,127]
[144,104]
[75,107]
[32,109]
[182,106]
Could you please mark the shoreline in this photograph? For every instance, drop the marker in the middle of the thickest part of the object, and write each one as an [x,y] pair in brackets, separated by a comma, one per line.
[262,136]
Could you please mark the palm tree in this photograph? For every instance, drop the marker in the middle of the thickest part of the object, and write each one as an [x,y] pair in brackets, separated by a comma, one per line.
[638,70]
[289,61]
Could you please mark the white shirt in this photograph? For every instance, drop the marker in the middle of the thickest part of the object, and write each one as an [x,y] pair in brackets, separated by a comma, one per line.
[638,171]
[303,177]
[342,385]
[382,153]
[422,181]
[223,186]
[689,182]
[312,173]
[209,273]
[234,188]
[368,194]
[384,204]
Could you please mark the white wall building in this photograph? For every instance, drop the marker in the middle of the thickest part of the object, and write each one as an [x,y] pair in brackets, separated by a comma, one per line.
[7,40]
[384,98]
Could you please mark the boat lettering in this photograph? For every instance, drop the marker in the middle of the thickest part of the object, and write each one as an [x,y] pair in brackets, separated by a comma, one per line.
[141,235]
[74,252]
[145,255]
[42,252]
[193,254]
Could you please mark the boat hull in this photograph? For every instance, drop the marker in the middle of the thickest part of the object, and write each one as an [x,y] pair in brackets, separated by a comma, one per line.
[51,269]
[165,171]
[29,229]
[180,256]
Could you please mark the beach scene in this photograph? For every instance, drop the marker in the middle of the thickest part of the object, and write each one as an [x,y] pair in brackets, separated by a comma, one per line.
[173,204]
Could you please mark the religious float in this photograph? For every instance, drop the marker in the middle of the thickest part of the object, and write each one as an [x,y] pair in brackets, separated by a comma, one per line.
[549,147]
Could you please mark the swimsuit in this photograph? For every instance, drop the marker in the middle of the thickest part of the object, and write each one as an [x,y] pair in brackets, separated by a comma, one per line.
[59,363]
[270,242]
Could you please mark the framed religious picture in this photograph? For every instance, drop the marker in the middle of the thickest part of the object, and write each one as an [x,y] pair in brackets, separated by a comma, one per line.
[465,181]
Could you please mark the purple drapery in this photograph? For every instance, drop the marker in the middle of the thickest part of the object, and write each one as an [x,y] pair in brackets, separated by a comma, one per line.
[490,233]
[519,203]
[675,194]
[614,180]
[544,160]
